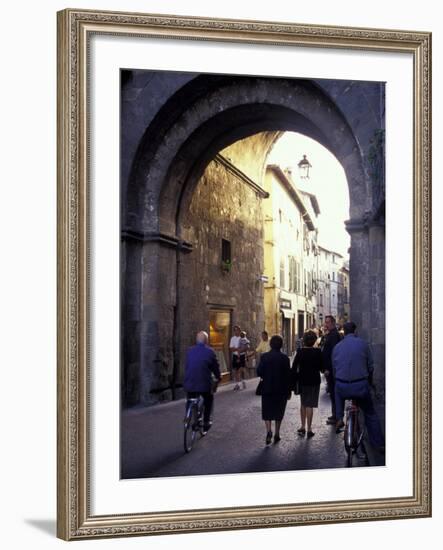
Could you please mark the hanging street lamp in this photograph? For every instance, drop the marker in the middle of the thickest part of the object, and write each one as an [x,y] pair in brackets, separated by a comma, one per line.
[303,167]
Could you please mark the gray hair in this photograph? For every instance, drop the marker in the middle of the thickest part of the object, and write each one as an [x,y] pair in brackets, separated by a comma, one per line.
[202,337]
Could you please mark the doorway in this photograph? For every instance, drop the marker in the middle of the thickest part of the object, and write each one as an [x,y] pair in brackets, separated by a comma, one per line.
[301,323]
[286,333]
[219,335]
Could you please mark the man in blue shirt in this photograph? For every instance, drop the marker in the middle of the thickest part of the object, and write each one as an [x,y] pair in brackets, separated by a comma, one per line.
[353,367]
[201,364]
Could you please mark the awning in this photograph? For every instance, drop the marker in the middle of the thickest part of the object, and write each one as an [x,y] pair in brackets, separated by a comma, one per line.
[287,313]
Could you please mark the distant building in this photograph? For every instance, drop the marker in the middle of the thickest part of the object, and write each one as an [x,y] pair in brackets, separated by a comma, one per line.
[310,261]
[332,286]
[343,314]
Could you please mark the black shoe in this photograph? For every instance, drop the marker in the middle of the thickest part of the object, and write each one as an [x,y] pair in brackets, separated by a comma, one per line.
[207,427]
[310,434]
[301,431]
[268,438]
[276,438]
[331,421]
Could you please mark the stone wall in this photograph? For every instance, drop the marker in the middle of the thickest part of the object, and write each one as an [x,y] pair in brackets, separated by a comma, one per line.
[173,124]
[223,206]
[143,94]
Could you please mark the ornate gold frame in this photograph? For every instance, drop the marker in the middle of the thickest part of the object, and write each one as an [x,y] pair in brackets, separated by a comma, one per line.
[74,518]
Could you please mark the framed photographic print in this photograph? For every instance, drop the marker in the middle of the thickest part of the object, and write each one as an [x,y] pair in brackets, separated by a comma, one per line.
[241,202]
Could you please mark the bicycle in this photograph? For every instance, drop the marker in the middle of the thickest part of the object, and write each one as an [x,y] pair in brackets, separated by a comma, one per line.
[193,422]
[353,432]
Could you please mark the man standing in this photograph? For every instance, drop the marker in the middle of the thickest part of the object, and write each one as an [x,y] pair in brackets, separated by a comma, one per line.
[201,364]
[234,348]
[331,340]
[353,369]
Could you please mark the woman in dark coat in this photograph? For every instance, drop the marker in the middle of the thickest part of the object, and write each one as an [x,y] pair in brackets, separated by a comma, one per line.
[306,367]
[275,371]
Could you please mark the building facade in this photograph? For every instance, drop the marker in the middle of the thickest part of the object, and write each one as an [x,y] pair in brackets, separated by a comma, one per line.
[290,259]
[216,283]
[343,294]
[332,286]
[220,282]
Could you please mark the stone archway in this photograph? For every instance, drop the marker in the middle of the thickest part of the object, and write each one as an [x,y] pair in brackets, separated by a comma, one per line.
[205,116]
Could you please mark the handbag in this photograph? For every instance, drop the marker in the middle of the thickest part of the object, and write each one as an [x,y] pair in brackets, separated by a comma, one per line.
[259,389]
[296,387]
[295,382]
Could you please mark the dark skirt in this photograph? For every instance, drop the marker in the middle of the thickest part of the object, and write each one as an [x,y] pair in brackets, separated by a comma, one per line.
[273,406]
[309,395]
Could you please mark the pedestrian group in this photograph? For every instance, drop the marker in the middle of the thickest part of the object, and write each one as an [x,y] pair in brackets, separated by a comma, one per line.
[344,358]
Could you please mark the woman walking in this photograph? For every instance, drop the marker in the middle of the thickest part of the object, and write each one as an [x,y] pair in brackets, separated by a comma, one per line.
[275,371]
[306,367]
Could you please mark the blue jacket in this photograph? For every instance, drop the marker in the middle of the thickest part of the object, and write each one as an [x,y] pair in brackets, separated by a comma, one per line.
[201,362]
[352,359]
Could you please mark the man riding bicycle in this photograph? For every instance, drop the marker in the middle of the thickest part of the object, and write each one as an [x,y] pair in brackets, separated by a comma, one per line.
[201,365]
[353,368]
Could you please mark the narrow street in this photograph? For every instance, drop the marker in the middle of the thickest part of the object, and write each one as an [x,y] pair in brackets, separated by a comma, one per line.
[152,439]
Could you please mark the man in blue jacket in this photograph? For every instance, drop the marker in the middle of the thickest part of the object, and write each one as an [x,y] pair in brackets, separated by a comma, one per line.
[201,364]
[353,368]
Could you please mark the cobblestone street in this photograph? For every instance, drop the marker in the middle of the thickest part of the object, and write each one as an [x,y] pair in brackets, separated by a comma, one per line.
[152,439]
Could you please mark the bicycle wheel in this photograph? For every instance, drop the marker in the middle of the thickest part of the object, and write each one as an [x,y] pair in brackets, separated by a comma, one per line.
[189,429]
[349,438]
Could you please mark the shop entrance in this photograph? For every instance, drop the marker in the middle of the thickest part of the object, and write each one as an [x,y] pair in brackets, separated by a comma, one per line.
[286,334]
[219,336]
[301,323]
